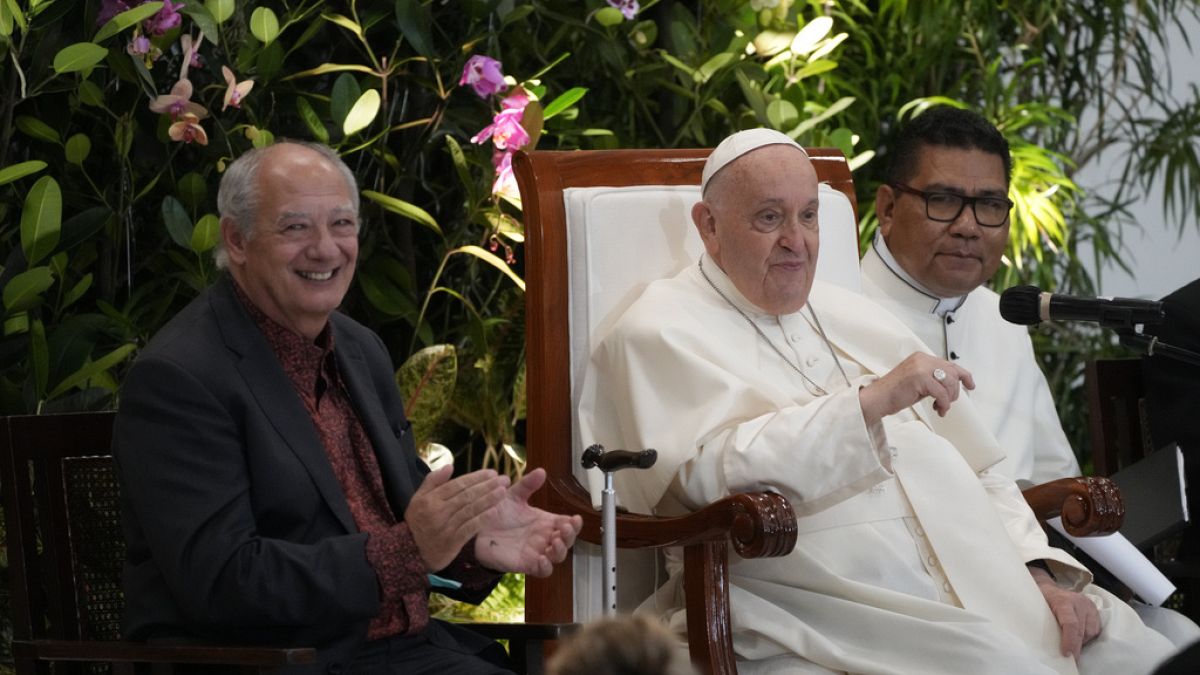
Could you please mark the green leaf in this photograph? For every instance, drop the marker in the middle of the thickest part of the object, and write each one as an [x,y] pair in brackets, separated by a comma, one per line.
[204,20]
[609,16]
[77,291]
[311,119]
[363,113]
[179,225]
[6,17]
[126,19]
[344,22]
[426,382]
[15,12]
[714,64]
[331,68]
[567,99]
[35,128]
[16,171]
[781,114]
[415,21]
[460,166]
[78,148]
[343,96]
[264,25]
[493,260]
[410,211]
[90,94]
[816,68]
[24,291]
[221,10]
[192,189]
[79,56]
[92,369]
[388,286]
[41,219]
[269,61]
[812,33]
[206,233]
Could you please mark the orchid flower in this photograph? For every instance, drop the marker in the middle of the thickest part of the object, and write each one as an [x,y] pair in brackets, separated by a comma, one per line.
[484,76]
[236,91]
[505,184]
[179,102]
[187,129]
[629,8]
[167,18]
[517,100]
[191,53]
[505,130]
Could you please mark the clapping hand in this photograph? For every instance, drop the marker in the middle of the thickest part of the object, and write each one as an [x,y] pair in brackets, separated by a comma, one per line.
[516,537]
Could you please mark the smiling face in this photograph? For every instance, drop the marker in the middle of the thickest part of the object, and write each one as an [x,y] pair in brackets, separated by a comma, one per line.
[297,265]
[949,259]
[758,221]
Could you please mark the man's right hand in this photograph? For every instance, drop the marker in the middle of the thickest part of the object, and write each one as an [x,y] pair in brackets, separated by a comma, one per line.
[444,514]
[910,381]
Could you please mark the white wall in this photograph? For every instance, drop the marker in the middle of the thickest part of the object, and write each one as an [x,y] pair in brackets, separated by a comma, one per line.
[1161,259]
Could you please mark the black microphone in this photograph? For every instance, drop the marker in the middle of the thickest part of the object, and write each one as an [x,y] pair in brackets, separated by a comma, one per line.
[1028,305]
[615,460]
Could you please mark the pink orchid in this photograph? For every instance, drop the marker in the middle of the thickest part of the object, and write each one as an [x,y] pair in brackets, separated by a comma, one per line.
[167,18]
[191,53]
[505,130]
[517,100]
[236,91]
[505,184]
[178,102]
[629,8]
[484,76]
[138,46]
[188,129]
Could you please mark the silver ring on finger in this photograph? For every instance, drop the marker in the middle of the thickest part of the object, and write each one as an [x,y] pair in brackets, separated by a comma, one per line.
[939,374]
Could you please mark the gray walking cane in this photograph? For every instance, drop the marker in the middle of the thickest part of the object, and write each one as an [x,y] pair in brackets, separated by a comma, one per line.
[611,462]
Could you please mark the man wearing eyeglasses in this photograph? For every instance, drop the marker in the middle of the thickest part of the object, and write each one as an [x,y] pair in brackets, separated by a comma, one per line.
[943,225]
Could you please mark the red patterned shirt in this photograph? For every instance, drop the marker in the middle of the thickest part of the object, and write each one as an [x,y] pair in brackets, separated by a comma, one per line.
[390,550]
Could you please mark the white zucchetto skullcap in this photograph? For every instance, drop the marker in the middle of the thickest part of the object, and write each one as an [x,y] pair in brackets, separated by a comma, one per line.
[738,144]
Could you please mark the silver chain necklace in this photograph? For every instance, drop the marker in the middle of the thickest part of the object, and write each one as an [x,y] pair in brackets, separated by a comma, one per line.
[813,388]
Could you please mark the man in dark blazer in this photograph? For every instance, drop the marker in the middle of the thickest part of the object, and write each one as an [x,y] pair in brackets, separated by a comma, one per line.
[271,490]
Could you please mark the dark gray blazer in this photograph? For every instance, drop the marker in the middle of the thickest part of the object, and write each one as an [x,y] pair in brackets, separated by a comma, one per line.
[237,529]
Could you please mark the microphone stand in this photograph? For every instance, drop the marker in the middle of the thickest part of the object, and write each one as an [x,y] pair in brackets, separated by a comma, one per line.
[1152,346]
[610,463]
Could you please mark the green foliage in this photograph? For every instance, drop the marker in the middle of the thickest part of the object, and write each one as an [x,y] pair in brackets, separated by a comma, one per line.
[108,208]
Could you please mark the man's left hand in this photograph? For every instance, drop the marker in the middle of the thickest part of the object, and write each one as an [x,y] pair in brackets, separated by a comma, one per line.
[1077,616]
[516,537]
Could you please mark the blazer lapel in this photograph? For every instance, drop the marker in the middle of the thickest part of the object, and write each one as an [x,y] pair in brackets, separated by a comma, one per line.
[392,446]
[273,391]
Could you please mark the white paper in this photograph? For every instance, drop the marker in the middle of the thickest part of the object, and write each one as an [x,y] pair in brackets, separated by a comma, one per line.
[1125,562]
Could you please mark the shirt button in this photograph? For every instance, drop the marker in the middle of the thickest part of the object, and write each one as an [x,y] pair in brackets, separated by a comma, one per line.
[812,361]
[946,586]
[932,560]
[797,338]
[920,532]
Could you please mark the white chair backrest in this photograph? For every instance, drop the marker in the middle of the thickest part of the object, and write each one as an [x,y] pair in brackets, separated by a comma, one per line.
[619,240]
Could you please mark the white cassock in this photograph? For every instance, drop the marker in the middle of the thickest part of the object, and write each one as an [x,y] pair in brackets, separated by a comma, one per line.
[1011,394]
[910,556]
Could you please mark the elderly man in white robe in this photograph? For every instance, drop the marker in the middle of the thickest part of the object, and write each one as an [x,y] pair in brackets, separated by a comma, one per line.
[943,227]
[746,374]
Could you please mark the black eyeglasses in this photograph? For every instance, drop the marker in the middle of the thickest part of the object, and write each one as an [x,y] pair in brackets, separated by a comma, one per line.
[945,207]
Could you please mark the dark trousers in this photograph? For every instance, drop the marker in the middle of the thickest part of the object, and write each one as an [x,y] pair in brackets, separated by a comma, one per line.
[442,649]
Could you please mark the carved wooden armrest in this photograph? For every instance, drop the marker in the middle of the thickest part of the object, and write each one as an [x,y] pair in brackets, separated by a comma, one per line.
[757,524]
[1088,506]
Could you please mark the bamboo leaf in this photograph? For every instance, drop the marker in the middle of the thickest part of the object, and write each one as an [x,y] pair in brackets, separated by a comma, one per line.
[127,19]
[493,260]
[17,171]
[567,99]
[406,209]
[92,369]
[41,219]
[79,56]
[363,113]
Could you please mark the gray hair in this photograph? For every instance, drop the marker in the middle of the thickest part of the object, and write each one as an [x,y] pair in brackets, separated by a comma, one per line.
[238,195]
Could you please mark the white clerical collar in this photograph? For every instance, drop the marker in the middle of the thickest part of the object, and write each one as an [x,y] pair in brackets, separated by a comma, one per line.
[941,306]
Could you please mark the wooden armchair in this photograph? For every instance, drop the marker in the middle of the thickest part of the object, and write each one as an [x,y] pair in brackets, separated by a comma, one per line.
[578,283]
[66,552]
